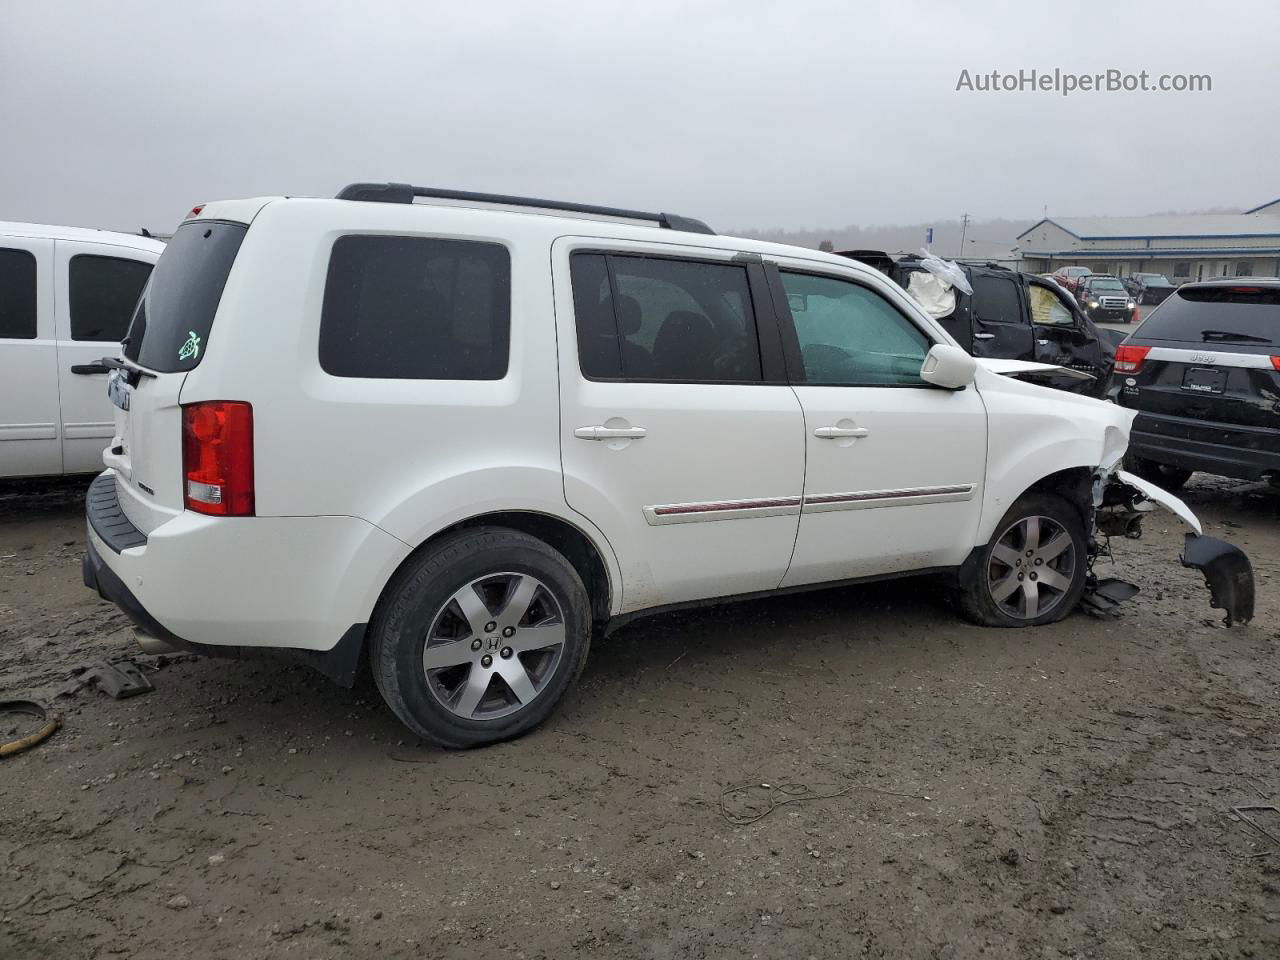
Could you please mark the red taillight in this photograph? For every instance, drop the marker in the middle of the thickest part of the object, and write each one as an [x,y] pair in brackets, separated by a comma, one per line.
[195,211]
[1275,362]
[1129,358]
[217,458]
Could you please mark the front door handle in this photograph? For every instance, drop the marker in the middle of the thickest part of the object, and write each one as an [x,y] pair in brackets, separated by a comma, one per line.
[984,336]
[835,433]
[610,433]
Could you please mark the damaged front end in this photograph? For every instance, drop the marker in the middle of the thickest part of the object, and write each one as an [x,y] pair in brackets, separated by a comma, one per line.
[1121,500]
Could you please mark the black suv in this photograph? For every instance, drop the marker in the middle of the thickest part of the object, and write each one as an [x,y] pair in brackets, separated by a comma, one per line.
[1203,372]
[1016,316]
[1151,287]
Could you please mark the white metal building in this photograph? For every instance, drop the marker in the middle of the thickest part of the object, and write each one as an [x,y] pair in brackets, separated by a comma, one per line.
[1182,247]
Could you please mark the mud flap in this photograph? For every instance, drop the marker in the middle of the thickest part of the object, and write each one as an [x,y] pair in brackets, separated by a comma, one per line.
[1228,573]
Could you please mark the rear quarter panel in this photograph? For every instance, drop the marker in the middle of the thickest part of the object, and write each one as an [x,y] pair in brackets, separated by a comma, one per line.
[411,457]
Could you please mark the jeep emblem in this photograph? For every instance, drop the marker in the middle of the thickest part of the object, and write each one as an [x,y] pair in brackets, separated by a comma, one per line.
[1203,358]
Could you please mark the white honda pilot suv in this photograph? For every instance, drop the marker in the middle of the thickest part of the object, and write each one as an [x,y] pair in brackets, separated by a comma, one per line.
[462,434]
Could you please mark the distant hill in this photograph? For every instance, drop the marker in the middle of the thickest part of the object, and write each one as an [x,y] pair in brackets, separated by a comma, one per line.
[984,238]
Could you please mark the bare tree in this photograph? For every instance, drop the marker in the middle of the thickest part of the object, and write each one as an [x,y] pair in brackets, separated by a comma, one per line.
[826,246]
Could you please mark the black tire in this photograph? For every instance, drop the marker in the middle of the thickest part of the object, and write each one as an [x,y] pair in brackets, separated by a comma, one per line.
[975,588]
[1162,475]
[418,600]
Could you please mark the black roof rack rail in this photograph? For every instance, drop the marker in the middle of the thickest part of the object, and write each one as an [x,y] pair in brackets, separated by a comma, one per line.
[404,193]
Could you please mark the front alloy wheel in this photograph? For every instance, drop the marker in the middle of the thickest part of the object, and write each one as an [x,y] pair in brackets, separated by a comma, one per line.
[1031,567]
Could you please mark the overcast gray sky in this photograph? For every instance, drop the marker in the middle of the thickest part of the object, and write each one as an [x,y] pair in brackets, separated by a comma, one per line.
[744,113]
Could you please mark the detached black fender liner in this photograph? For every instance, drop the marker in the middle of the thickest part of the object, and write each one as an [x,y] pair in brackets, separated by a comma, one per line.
[1228,573]
[340,664]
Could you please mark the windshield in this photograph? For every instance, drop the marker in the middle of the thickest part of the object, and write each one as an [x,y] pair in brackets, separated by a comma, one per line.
[1105,285]
[173,319]
[1224,314]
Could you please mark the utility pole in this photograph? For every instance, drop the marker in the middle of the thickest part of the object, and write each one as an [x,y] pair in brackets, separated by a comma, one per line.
[964,228]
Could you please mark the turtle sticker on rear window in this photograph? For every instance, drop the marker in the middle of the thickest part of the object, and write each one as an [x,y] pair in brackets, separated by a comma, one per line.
[191,349]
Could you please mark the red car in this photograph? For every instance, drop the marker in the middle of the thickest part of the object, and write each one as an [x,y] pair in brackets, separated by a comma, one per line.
[1069,278]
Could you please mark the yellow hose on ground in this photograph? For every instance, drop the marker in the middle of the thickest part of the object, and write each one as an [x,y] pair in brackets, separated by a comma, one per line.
[52,719]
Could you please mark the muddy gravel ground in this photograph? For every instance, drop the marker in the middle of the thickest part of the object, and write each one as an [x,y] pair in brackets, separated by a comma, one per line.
[1064,791]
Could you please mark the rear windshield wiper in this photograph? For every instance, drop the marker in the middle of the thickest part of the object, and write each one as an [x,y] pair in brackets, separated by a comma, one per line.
[131,370]
[1228,335]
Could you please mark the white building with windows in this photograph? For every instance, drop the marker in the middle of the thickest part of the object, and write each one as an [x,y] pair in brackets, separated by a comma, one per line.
[1182,247]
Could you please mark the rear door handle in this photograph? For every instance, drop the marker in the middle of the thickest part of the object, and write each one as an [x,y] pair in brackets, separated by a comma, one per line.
[88,369]
[610,433]
[984,336]
[835,433]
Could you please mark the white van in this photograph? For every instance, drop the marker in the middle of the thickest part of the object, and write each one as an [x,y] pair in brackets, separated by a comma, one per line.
[66,297]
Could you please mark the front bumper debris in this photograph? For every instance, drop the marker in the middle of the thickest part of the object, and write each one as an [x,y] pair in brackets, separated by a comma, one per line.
[1228,573]
[1122,500]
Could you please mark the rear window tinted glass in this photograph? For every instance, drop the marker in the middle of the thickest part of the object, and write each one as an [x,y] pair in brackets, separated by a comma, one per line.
[1241,314]
[174,319]
[416,308]
[599,346]
[103,295]
[654,318]
[995,299]
[17,295]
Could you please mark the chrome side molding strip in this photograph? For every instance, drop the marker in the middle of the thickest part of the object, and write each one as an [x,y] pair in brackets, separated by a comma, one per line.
[869,499]
[790,506]
[721,510]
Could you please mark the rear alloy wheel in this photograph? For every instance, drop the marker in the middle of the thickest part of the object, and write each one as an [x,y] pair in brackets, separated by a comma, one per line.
[494,646]
[478,638]
[1033,569]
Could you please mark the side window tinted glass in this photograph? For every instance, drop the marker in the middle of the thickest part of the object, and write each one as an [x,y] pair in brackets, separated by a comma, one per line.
[17,295]
[649,318]
[995,299]
[1048,307]
[416,308]
[102,294]
[850,335]
[599,353]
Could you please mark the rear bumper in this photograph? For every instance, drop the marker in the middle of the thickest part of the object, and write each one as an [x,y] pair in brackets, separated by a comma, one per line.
[339,663]
[1230,450]
[234,586]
